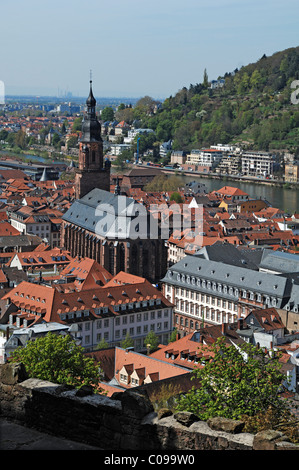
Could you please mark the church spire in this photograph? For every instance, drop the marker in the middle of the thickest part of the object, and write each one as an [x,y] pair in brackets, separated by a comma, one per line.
[91,128]
[91,103]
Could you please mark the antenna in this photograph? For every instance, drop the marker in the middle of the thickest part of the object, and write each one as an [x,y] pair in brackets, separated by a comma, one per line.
[90,75]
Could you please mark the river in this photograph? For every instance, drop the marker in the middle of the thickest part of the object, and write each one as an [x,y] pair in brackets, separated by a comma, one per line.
[285,199]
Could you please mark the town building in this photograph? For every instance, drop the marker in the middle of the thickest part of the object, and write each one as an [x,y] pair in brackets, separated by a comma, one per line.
[123,369]
[204,159]
[138,178]
[222,284]
[126,305]
[41,263]
[114,230]
[291,174]
[257,164]
[38,220]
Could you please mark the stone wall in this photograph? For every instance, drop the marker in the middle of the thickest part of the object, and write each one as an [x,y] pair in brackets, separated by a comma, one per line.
[126,421]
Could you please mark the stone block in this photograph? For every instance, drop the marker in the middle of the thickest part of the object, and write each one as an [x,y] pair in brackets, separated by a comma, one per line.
[135,404]
[185,417]
[266,440]
[227,425]
[12,373]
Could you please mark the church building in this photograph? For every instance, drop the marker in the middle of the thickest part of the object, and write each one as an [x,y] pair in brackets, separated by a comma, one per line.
[110,228]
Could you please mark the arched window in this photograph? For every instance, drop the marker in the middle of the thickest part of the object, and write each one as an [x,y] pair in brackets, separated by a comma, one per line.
[145,263]
[134,260]
[122,257]
[111,258]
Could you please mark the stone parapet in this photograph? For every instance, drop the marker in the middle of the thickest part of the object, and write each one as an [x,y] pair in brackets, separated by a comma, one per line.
[126,421]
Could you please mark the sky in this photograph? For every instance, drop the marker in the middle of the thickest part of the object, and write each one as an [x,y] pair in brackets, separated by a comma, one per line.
[135,48]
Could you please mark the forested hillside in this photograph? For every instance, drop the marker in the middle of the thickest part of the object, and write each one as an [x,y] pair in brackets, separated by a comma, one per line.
[253,108]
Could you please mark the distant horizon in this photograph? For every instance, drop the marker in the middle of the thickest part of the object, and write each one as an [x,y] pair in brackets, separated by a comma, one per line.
[134,48]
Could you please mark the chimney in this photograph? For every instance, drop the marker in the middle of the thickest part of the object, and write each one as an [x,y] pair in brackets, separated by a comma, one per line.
[240,323]
[223,328]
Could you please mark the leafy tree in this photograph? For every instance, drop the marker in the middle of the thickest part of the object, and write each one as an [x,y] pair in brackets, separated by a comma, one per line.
[11,138]
[102,344]
[20,139]
[56,140]
[234,383]
[164,183]
[126,114]
[77,124]
[128,342]
[205,79]
[3,134]
[58,359]
[121,161]
[72,141]
[107,114]
[151,339]
[173,336]
[176,197]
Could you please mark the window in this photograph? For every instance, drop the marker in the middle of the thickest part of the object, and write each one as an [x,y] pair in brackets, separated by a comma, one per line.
[123,378]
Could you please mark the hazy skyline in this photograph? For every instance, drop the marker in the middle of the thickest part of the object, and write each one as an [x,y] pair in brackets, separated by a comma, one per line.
[135,48]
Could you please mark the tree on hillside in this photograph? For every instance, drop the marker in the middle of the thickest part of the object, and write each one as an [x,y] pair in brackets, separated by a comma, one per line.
[205,79]
[58,359]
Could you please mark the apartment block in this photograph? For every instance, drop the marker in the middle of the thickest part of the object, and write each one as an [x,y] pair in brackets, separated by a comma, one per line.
[207,158]
[257,164]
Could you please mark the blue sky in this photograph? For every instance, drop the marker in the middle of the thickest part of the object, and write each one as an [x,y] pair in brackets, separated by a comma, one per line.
[135,48]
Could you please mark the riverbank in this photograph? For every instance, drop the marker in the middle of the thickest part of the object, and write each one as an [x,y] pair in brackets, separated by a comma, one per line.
[235,178]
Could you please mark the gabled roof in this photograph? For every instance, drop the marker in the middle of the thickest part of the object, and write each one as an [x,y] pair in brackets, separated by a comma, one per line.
[145,366]
[87,273]
[268,319]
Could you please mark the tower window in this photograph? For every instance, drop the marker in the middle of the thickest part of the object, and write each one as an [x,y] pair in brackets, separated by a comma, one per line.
[93,156]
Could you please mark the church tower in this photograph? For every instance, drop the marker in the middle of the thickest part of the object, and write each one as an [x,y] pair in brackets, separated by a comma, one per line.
[92,172]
